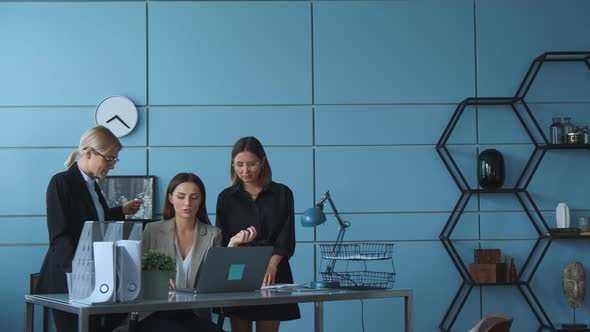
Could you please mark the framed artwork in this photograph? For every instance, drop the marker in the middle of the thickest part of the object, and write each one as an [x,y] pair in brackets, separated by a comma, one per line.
[118,190]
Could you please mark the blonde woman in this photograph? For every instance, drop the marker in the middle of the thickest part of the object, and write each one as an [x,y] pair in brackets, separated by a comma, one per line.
[74,197]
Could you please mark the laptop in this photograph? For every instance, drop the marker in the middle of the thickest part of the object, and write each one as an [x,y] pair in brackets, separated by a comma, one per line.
[235,269]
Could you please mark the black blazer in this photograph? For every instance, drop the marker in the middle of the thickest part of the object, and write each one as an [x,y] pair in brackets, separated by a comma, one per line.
[69,205]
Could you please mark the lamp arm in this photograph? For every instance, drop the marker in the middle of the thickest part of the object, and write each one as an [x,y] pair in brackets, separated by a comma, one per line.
[336,249]
[343,223]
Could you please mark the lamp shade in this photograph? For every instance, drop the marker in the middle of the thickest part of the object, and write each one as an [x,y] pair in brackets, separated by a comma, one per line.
[313,217]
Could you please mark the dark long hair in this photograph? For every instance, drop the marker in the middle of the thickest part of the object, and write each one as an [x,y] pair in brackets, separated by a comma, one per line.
[253,145]
[177,180]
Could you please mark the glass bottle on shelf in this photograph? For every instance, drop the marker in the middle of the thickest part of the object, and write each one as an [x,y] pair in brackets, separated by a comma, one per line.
[586,135]
[556,132]
[568,126]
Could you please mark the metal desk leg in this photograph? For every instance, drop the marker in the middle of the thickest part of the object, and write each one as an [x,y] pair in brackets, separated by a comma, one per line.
[83,321]
[408,305]
[29,313]
[319,317]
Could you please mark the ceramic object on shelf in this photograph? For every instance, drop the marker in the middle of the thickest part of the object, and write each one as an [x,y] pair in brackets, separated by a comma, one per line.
[490,170]
[562,214]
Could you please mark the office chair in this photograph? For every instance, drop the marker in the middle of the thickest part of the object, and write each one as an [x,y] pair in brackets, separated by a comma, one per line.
[33,281]
[493,323]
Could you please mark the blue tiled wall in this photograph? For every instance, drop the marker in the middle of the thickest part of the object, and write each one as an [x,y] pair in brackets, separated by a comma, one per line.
[348,96]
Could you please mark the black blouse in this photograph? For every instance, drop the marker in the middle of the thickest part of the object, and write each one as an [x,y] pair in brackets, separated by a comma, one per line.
[272,214]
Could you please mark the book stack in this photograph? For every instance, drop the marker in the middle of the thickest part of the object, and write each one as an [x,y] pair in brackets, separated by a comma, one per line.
[488,267]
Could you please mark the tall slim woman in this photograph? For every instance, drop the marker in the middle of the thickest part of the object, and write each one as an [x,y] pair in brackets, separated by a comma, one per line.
[73,197]
[255,200]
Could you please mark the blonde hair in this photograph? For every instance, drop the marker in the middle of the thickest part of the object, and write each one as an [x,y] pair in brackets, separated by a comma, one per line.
[99,139]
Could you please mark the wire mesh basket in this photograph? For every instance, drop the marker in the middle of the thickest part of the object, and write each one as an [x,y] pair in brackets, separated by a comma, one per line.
[361,279]
[363,251]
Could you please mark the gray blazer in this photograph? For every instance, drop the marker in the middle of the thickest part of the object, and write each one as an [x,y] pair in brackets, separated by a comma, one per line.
[161,236]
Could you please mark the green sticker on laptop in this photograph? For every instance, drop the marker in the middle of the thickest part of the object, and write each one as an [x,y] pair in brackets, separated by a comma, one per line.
[236,272]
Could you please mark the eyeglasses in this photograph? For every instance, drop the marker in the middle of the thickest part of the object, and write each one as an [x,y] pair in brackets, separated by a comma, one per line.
[111,160]
[247,165]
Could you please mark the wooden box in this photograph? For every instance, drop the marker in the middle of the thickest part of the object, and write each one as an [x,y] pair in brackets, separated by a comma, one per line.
[487,256]
[488,273]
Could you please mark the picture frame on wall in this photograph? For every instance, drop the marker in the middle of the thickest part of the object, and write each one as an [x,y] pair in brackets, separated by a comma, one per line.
[118,190]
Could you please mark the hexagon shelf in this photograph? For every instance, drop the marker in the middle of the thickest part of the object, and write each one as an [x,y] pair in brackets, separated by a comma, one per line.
[539,141]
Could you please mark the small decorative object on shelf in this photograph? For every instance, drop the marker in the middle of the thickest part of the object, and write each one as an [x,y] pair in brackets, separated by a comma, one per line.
[556,131]
[586,133]
[488,267]
[568,126]
[584,224]
[574,138]
[490,171]
[574,290]
[562,214]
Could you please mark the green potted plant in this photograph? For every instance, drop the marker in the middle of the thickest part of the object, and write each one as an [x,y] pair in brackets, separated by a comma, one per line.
[157,269]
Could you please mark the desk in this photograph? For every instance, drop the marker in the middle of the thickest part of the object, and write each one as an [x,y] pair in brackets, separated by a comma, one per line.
[180,301]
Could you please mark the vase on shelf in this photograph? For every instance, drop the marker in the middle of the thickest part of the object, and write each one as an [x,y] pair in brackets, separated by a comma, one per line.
[556,131]
[562,215]
[568,126]
[490,169]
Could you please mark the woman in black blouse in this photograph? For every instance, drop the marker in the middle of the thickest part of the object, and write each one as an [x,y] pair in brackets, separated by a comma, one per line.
[253,199]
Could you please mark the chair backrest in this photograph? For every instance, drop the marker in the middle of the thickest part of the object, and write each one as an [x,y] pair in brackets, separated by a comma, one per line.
[494,323]
[33,282]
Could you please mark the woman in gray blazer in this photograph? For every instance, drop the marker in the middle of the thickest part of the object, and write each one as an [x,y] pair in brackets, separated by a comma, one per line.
[186,234]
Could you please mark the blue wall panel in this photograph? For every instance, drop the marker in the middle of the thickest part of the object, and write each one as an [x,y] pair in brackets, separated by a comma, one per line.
[506,225]
[24,182]
[57,127]
[207,126]
[23,230]
[72,53]
[396,227]
[18,262]
[229,53]
[562,177]
[499,124]
[393,52]
[133,162]
[397,179]
[527,29]
[294,167]
[407,124]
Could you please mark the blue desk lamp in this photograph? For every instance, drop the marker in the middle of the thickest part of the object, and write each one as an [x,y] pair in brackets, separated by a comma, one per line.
[315,216]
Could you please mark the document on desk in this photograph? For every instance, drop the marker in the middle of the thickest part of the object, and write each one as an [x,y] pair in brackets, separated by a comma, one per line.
[291,288]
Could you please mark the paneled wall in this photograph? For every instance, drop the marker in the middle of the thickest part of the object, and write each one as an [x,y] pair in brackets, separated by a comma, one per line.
[347,96]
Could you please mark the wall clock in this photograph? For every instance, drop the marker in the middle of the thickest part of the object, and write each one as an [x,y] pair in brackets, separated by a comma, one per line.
[117,113]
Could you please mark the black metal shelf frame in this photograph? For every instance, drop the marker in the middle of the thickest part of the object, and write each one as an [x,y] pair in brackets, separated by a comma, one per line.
[541,145]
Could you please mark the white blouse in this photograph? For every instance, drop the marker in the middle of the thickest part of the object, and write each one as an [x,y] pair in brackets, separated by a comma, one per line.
[183,267]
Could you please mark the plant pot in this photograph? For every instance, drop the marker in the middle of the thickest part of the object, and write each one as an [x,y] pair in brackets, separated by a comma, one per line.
[155,284]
